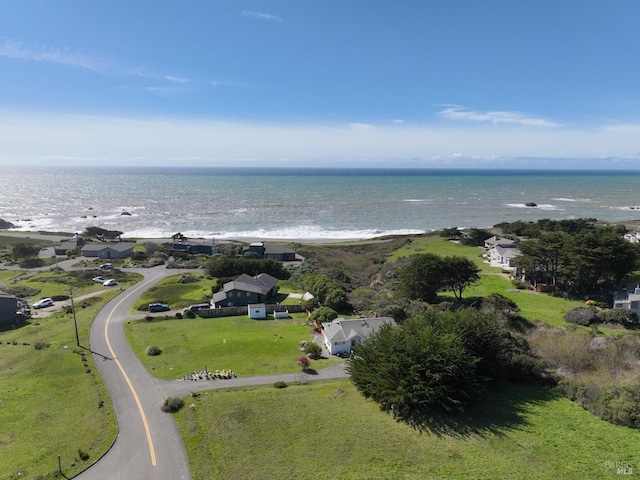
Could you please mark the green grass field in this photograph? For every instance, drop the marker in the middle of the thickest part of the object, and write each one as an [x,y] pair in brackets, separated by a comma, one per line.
[49,404]
[328,431]
[248,347]
[177,295]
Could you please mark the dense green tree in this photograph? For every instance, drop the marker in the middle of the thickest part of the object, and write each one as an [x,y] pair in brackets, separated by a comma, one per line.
[323,314]
[458,273]
[540,258]
[436,361]
[25,251]
[422,277]
[413,368]
[452,233]
[476,237]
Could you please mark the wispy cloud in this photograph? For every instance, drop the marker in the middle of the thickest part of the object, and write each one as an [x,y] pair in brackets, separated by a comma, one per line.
[456,112]
[361,126]
[632,128]
[45,53]
[32,138]
[262,16]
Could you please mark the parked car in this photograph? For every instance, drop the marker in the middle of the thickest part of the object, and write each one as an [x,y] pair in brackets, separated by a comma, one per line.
[106,266]
[158,307]
[43,303]
[197,307]
[98,279]
[109,283]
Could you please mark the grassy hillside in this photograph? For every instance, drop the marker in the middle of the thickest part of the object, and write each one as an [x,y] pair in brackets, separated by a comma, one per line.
[328,431]
[52,401]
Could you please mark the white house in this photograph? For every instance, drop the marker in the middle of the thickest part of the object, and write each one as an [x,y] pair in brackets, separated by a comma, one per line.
[504,256]
[633,237]
[340,335]
[627,300]
[257,311]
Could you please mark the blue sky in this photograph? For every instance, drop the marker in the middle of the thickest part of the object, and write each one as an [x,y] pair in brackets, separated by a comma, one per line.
[417,83]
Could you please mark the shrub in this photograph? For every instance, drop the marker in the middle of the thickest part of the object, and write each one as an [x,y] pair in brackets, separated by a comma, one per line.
[622,317]
[280,384]
[303,362]
[153,350]
[313,350]
[172,405]
[84,456]
[178,315]
[582,316]
[189,314]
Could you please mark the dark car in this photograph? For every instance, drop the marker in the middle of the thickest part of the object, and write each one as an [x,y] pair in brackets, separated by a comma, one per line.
[158,307]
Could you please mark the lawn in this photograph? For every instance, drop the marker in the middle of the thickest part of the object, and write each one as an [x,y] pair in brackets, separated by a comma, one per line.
[52,402]
[520,432]
[246,346]
[533,306]
[443,247]
[176,293]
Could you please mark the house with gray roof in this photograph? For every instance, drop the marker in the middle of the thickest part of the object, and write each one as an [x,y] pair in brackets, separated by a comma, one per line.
[107,250]
[497,241]
[246,290]
[273,252]
[341,336]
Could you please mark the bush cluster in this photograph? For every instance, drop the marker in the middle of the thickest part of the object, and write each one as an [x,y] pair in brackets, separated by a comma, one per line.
[153,350]
[172,405]
[598,373]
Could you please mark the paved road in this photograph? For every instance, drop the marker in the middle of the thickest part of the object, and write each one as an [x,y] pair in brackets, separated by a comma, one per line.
[148,445]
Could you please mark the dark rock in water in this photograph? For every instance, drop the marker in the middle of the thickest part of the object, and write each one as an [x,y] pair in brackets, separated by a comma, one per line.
[531,204]
[125,213]
[4,225]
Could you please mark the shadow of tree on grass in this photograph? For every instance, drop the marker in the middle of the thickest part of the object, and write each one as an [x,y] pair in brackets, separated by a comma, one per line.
[502,408]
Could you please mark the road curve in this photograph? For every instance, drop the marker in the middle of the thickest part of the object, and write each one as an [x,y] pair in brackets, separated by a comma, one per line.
[148,445]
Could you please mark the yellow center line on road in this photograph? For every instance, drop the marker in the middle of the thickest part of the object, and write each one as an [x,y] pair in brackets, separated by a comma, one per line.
[124,374]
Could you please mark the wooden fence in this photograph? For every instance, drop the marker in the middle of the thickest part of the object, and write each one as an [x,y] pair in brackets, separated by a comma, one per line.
[230,311]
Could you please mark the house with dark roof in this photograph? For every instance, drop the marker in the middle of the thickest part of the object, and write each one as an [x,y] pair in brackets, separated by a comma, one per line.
[77,241]
[246,290]
[8,308]
[341,336]
[273,252]
[107,250]
[194,247]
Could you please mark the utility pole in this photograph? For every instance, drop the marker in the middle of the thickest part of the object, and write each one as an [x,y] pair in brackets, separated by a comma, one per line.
[75,322]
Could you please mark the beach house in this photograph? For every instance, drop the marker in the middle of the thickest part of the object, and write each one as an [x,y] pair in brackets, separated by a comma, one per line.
[341,336]
[246,290]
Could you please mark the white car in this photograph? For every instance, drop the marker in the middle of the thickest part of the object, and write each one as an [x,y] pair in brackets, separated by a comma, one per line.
[109,283]
[98,279]
[45,302]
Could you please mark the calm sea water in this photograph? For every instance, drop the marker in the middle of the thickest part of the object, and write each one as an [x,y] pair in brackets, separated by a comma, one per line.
[304,203]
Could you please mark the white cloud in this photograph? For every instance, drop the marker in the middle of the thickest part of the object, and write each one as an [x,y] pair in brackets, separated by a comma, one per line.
[43,53]
[455,112]
[262,16]
[630,128]
[41,139]
[361,126]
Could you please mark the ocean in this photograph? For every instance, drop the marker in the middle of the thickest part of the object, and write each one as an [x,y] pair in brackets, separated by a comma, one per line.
[305,203]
